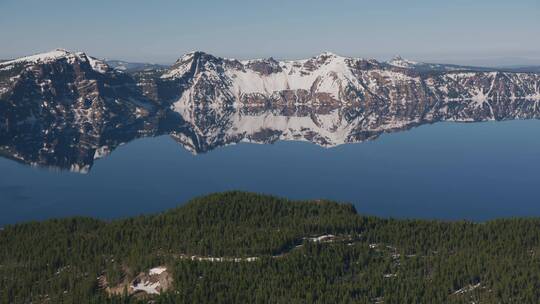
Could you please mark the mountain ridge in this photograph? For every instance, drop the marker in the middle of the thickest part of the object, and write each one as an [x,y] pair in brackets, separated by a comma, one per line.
[115,62]
[204,102]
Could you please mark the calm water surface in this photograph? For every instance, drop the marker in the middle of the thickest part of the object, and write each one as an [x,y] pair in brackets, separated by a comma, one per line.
[446,171]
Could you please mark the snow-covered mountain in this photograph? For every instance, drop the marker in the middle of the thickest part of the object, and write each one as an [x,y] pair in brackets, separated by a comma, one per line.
[329,78]
[329,99]
[424,67]
[400,62]
[205,101]
[63,103]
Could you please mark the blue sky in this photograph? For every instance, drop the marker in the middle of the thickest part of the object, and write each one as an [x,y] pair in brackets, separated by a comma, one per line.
[473,32]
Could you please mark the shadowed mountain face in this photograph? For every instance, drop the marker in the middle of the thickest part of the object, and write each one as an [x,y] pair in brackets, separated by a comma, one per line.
[64,110]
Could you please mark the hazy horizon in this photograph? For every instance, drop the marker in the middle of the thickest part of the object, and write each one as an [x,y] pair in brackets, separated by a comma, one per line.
[473,61]
[483,33]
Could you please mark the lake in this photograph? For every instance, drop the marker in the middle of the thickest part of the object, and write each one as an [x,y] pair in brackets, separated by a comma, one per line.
[474,171]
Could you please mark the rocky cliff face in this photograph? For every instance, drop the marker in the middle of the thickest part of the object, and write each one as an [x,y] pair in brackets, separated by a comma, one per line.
[330,100]
[61,105]
[66,109]
[334,80]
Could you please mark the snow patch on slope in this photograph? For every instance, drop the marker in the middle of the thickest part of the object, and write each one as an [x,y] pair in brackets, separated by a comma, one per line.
[38,58]
[48,57]
[157,270]
[182,66]
[98,65]
[148,287]
[332,75]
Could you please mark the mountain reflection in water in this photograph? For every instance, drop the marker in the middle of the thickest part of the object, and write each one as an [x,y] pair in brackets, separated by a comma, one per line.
[474,171]
[202,128]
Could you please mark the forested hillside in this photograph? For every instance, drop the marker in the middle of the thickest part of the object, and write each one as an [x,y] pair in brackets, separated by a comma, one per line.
[237,247]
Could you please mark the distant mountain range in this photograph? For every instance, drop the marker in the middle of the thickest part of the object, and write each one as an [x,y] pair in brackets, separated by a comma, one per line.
[65,109]
[131,67]
[426,67]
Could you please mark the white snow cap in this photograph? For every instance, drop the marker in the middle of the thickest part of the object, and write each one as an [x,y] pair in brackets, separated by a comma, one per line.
[42,57]
[51,56]
[401,62]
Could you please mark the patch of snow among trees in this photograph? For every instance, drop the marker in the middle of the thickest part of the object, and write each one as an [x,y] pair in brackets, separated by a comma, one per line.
[148,287]
[157,270]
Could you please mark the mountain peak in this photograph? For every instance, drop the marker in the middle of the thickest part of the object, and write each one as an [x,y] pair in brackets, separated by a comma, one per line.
[401,62]
[327,54]
[56,55]
[193,55]
[41,57]
[194,61]
[195,52]
[61,50]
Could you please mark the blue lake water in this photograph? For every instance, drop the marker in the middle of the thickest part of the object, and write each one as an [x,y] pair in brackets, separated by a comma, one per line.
[448,171]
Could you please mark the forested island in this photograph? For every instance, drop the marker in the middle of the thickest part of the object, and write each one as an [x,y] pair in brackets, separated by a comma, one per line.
[238,247]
